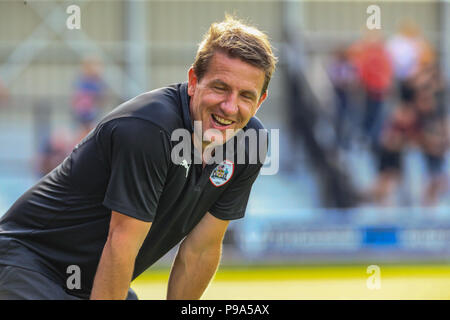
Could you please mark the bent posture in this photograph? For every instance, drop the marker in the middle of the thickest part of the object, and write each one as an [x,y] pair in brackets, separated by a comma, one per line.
[120,201]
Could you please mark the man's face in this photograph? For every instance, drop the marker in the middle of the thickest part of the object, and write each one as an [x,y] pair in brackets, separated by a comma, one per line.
[226,97]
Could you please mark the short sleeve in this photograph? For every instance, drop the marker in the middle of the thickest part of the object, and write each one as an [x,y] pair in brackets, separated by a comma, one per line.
[233,202]
[138,161]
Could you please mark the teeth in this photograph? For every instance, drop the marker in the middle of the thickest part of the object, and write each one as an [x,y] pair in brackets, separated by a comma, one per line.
[222,120]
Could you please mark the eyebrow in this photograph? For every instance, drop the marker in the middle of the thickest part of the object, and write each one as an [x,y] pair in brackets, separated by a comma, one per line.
[249,92]
[217,81]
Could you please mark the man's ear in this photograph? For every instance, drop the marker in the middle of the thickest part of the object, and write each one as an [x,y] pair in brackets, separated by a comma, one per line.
[261,100]
[192,81]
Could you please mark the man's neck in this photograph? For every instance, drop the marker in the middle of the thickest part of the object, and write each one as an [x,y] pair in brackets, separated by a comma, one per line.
[203,148]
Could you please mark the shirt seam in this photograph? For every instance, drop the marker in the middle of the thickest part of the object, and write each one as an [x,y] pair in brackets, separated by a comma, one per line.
[126,211]
[215,212]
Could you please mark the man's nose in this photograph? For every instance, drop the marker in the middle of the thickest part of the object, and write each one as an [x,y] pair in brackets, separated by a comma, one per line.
[230,105]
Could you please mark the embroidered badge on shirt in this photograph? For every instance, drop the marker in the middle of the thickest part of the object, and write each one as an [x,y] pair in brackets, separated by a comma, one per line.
[222,173]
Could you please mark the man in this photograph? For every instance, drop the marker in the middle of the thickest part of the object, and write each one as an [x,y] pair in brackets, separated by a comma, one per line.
[118,202]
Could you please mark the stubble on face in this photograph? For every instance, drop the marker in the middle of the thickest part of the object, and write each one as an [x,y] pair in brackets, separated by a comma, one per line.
[225,99]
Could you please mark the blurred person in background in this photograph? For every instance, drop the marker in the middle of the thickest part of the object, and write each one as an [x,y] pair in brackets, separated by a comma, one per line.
[398,131]
[409,52]
[433,131]
[89,94]
[53,150]
[375,73]
[343,76]
[419,120]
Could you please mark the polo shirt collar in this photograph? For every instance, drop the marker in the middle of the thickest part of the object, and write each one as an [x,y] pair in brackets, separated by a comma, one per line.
[185,99]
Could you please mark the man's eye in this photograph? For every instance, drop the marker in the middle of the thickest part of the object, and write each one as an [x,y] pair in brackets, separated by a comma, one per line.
[219,88]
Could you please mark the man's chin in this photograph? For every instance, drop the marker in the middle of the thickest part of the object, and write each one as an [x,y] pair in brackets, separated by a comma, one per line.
[220,139]
[214,141]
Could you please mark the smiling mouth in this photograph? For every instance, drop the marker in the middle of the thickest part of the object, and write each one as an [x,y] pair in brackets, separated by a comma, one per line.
[221,121]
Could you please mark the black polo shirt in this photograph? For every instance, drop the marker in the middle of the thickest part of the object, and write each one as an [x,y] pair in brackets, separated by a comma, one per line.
[124,165]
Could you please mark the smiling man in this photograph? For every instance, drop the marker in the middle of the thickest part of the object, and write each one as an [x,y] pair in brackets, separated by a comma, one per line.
[118,202]
[227,96]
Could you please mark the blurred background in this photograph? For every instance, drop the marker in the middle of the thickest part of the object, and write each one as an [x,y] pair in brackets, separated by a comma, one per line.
[360,99]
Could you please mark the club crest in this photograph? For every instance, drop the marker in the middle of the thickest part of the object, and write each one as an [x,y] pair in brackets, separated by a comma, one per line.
[222,173]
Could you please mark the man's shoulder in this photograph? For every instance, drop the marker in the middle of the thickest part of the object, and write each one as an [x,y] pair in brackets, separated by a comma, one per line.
[255,128]
[161,107]
[255,124]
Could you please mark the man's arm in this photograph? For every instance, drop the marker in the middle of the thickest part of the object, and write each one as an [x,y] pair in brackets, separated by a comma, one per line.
[116,265]
[197,259]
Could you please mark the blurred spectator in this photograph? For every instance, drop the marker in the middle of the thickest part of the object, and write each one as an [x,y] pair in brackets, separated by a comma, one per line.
[404,51]
[342,75]
[399,130]
[433,138]
[54,149]
[374,69]
[409,53]
[419,120]
[89,93]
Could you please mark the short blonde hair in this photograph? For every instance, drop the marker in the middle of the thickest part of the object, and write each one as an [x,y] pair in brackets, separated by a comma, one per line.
[239,40]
